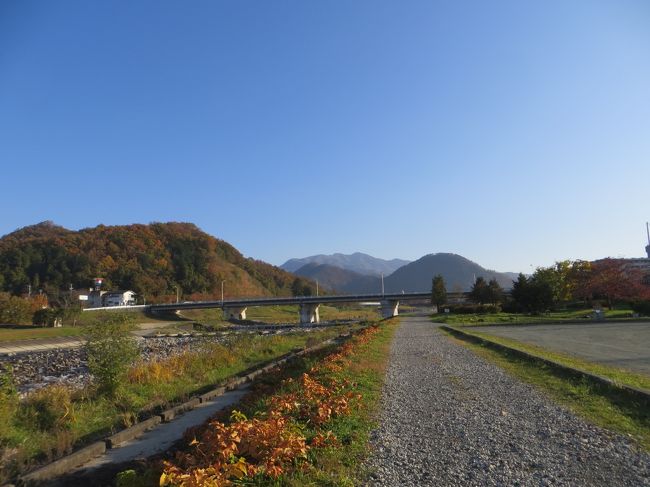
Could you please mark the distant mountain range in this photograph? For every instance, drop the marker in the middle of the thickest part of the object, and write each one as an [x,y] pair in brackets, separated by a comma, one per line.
[156,259]
[458,272]
[342,280]
[358,262]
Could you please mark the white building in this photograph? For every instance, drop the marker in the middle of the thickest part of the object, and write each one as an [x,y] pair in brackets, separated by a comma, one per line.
[119,298]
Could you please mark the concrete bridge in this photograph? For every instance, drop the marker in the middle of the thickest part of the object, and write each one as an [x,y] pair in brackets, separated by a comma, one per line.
[236,308]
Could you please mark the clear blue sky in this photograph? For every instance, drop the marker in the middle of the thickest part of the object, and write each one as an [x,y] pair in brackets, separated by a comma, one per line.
[514,133]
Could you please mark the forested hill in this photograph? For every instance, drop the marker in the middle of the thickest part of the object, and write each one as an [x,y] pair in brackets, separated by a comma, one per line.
[149,259]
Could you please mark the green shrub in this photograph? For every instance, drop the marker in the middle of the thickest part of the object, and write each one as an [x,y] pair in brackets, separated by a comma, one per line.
[8,403]
[45,316]
[130,478]
[47,409]
[111,350]
[641,307]
[470,309]
[15,310]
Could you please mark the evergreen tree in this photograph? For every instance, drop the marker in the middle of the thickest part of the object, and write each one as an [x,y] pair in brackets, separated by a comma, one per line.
[438,291]
[495,292]
[480,292]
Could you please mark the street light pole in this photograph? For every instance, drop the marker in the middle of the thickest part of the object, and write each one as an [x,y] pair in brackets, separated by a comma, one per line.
[382,283]
[222,290]
[177,294]
[316,287]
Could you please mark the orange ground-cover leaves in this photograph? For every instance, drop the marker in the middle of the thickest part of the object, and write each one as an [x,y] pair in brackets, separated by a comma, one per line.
[272,443]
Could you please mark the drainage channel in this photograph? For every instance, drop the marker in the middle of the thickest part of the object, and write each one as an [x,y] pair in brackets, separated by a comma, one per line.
[158,433]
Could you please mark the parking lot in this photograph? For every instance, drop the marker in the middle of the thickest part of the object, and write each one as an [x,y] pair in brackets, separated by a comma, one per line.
[617,344]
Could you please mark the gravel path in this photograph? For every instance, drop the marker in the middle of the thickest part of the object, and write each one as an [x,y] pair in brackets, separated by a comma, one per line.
[450,418]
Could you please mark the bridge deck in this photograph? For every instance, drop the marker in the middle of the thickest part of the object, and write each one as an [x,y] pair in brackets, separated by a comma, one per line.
[354,298]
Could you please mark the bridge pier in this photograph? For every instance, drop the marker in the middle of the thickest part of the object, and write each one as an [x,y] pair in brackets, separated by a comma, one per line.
[309,313]
[234,312]
[389,308]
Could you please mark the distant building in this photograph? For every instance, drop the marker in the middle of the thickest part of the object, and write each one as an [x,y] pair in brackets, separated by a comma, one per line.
[95,299]
[119,298]
[99,299]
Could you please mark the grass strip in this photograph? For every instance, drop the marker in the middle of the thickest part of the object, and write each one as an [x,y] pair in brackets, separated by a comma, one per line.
[558,317]
[8,335]
[307,424]
[605,405]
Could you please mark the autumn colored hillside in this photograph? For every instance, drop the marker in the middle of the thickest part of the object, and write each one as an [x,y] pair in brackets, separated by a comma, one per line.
[149,259]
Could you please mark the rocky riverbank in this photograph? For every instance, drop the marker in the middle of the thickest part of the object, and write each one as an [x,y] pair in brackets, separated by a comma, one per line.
[68,366]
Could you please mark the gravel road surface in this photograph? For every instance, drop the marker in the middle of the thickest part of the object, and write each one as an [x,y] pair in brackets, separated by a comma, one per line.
[449,418]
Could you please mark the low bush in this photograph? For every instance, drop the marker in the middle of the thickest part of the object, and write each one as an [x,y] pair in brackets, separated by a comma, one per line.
[111,350]
[8,404]
[641,307]
[47,409]
[469,309]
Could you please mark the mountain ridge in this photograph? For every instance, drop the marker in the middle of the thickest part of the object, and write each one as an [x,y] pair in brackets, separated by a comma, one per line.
[356,262]
[458,272]
[341,280]
[151,259]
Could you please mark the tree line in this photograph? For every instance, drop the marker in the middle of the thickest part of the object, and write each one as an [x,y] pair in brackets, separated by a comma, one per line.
[603,282]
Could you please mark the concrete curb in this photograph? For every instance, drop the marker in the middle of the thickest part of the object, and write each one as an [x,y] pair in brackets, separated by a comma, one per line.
[84,455]
[169,414]
[65,464]
[634,393]
[132,431]
[555,322]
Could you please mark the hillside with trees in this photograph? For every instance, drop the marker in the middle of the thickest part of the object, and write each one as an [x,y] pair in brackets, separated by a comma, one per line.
[458,273]
[150,259]
[341,280]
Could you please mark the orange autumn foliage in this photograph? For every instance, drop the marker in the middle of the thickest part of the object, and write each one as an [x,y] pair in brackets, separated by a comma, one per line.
[271,444]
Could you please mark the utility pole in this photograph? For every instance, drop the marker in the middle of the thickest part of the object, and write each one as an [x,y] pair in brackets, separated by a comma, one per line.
[222,291]
[177,295]
[29,290]
[382,283]
[316,287]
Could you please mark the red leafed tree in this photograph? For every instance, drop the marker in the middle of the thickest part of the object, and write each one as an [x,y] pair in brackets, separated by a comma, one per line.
[613,280]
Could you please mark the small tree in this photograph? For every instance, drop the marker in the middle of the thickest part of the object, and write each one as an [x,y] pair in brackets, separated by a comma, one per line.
[111,350]
[531,294]
[300,287]
[494,292]
[480,292]
[438,291]
[15,310]
[609,278]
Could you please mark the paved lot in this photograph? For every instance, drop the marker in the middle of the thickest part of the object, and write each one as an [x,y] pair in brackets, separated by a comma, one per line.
[618,344]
